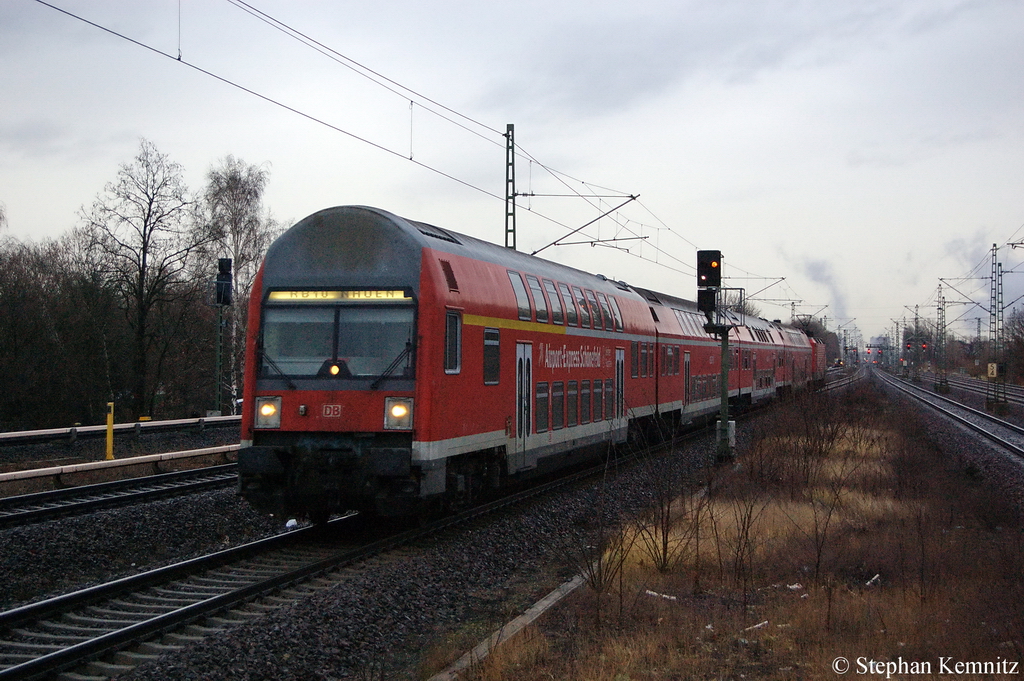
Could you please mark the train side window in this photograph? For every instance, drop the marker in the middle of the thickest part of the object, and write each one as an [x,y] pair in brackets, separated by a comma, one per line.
[595,309]
[570,308]
[598,401]
[541,410]
[556,305]
[522,297]
[492,356]
[453,342]
[585,402]
[570,404]
[616,313]
[581,301]
[539,301]
[557,405]
[634,359]
[609,323]
[643,360]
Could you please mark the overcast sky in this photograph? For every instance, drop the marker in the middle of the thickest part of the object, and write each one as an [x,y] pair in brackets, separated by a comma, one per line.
[860,150]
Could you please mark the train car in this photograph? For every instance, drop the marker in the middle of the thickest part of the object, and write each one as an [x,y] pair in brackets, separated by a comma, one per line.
[393,365]
[819,364]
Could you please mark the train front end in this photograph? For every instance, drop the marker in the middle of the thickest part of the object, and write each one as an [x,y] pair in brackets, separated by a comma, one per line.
[330,407]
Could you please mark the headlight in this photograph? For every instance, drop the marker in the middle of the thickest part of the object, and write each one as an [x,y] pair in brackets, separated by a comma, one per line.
[397,413]
[268,412]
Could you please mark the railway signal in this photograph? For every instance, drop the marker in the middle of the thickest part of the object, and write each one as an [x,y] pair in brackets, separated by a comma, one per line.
[706,300]
[709,269]
[223,293]
[709,282]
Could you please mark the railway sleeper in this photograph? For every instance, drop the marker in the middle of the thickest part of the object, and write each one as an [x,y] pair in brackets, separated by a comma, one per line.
[106,623]
[32,649]
[107,669]
[133,658]
[154,648]
[158,605]
[201,630]
[175,639]
[61,639]
[118,614]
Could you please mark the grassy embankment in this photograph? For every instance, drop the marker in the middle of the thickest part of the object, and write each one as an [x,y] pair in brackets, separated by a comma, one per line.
[841,532]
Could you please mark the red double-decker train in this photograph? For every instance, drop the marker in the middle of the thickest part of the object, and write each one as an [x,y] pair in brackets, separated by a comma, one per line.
[393,365]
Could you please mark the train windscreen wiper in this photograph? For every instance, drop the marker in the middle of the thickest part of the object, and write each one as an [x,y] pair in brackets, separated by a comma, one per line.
[394,365]
[287,380]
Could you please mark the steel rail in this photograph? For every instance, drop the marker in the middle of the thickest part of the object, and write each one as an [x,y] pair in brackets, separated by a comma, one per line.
[916,393]
[14,622]
[29,508]
[1014,393]
[175,579]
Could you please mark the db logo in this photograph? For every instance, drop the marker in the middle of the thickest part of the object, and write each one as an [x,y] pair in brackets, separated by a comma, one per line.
[332,411]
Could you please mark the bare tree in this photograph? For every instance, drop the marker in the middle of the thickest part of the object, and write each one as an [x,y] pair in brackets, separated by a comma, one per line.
[143,226]
[234,205]
[740,304]
[1014,333]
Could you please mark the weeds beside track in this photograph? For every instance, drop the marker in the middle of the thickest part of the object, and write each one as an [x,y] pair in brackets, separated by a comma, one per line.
[843,533]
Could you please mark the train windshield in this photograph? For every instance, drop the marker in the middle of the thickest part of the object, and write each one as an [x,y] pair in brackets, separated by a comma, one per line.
[338,342]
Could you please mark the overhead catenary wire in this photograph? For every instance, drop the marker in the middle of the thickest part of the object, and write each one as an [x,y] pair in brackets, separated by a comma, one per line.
[482,130]
[268,99]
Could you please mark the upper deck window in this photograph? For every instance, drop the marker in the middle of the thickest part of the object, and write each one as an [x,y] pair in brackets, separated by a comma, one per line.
[556,305]
[606,311]
[581,300]
[595,309]
[522,298]
[570,307]
[616,313]
[539,301]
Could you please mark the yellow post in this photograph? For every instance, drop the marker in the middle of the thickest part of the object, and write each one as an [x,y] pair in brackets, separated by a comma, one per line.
[110,431]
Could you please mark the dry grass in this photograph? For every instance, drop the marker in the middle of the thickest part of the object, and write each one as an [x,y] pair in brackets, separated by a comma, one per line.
[840,533]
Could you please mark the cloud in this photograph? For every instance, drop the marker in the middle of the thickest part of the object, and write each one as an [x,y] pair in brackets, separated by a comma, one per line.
[821,272]
[32,138]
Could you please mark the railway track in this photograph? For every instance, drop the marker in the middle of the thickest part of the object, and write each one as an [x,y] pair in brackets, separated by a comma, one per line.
[1014,393]
[40,506]
[1004,434]
[68,631]
[107,629]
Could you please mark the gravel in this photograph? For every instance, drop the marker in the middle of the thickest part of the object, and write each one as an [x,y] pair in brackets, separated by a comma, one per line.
[68,554]
[376,623]
[981,461]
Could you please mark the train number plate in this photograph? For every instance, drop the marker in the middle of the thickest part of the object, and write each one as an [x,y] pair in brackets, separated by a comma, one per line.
[332,411]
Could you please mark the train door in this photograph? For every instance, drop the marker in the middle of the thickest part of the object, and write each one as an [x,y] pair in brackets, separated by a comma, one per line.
[619,424]
[686,378]
[620,382]
[524,395]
